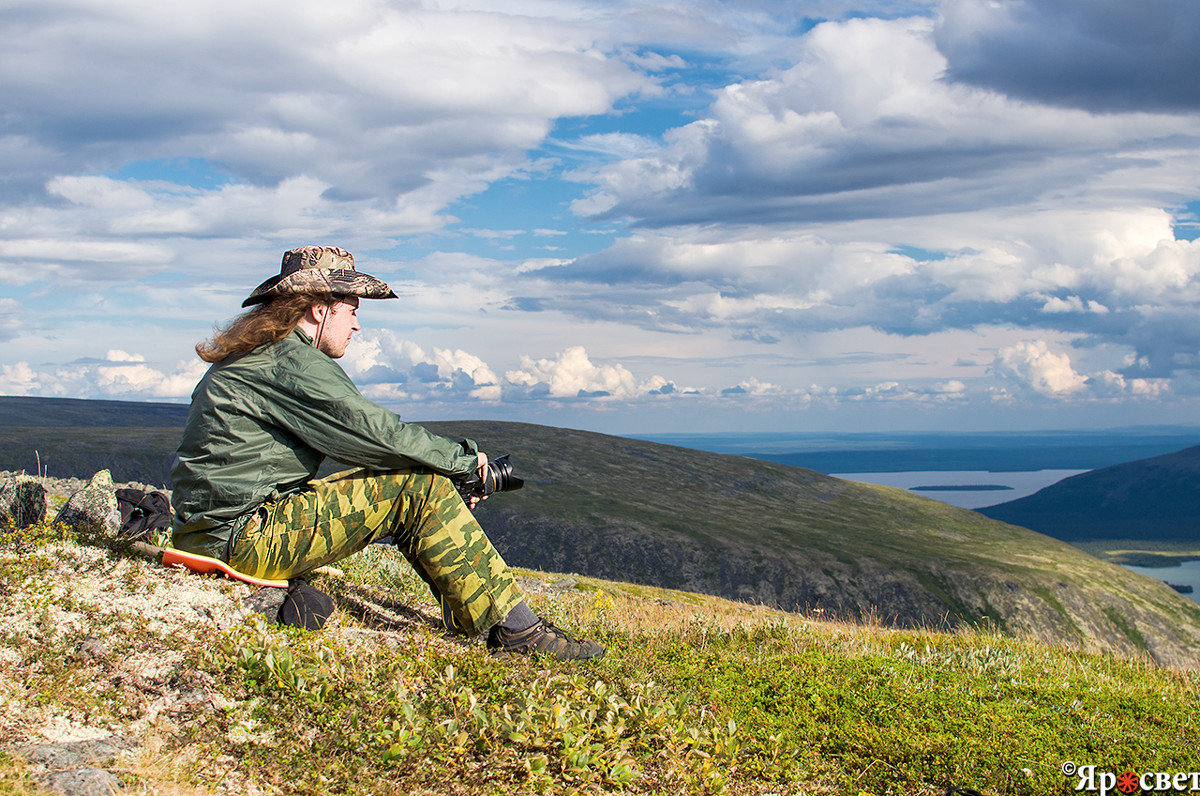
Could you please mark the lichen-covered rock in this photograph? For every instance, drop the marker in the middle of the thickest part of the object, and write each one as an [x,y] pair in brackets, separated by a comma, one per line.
[70,768]
[22,499]
[94,506]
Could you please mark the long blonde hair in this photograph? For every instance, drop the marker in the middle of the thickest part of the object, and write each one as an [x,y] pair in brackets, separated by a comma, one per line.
[266,323]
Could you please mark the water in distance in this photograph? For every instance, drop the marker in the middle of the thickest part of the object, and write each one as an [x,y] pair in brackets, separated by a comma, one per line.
[914,451]
[955,485]
[1185,574]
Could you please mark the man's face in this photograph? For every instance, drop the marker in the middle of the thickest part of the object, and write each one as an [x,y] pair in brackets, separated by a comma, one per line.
[341,322]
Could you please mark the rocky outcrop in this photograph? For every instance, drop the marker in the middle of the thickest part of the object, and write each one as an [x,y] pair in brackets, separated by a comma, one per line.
[75,768]
[22,499]
[94,506]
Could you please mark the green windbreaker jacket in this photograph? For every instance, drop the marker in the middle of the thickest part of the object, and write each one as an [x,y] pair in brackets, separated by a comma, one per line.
[261,424]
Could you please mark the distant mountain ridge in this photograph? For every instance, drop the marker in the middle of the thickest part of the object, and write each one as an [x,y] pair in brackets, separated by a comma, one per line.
[69,437]
[758,531]
[20,410]
[1148,499]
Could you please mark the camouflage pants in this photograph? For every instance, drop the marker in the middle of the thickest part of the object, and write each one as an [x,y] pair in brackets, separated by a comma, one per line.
[422,512]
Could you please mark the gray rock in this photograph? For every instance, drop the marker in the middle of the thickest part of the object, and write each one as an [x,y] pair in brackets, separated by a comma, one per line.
[94,506]
[22,499]
[266,601]
[83,782]
[562,585]
[92,648]
[73,754]
[73,767]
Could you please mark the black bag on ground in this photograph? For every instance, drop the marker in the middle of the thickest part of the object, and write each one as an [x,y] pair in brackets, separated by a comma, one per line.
[305,606]
[143,514]
[299,605]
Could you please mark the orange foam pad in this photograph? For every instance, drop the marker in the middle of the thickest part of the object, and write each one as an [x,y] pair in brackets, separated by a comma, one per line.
[204,565]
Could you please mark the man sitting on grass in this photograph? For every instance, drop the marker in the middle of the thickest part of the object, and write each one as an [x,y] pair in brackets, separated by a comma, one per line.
[274,404]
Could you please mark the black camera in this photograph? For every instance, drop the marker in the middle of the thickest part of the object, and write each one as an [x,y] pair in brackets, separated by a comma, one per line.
[499,479]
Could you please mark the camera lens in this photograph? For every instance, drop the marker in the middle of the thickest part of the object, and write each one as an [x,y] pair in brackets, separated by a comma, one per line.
[502,479]
[498,478]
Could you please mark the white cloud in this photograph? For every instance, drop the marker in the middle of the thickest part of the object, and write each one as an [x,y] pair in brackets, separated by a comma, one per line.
[1110,384]
[954,387]
[572,374]
[896,392]
[371,349]
[18,379]
[386,88]
[392,369]
[119,375]
[863,126]
[1032,364]
[1054,304]
[754,387]
[181,382]
[859,187]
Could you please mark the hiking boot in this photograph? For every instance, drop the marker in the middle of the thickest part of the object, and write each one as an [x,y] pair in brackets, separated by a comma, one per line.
[542,637]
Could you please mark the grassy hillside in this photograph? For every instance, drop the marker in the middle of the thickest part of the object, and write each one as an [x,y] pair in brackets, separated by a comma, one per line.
[160,681]
[796,539]
[17,410]
[1155,500]
[65,437]
[785,537]
[130,453]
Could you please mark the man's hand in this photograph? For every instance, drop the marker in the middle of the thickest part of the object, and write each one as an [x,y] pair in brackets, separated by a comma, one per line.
[482,471]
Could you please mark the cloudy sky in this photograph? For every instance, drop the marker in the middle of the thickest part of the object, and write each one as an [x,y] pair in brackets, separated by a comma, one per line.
[623,216]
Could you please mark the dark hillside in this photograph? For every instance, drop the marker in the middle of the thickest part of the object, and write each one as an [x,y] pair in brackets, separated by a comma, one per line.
[29,411]
[130,453]
[67,437]
[1150,499]
[763,532]
[756,531]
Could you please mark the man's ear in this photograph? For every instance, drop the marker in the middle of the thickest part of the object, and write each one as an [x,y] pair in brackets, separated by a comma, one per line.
[316,312]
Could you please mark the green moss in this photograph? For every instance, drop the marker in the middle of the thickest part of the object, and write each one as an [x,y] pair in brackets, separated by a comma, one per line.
[1130,632]
[1049,599]
[942,589]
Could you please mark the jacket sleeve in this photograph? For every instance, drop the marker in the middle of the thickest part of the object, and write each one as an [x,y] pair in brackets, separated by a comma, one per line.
[315,400]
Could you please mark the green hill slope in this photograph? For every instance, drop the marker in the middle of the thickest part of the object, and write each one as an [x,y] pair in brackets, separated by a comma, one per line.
[796,539]
[786,537]
[67,437]
[1150,499]
[19,410]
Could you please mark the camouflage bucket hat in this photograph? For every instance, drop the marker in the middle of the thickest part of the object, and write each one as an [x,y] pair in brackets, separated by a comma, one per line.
[319,269]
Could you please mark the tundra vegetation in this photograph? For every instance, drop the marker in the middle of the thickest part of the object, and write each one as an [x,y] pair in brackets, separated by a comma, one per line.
[697,694]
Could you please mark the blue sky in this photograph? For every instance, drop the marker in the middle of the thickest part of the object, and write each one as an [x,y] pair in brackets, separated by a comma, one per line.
[622,216]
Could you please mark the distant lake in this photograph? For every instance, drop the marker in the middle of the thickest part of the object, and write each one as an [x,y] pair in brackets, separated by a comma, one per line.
[1186,574]
[1019,484]
[897,452]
